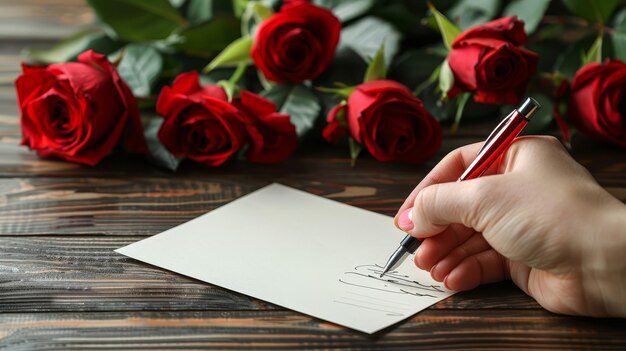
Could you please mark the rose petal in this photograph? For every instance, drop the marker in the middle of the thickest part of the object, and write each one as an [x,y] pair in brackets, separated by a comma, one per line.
[596,101]
[506,29]
[297,43]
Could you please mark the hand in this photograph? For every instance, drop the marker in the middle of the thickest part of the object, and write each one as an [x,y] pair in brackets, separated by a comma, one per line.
[536,217]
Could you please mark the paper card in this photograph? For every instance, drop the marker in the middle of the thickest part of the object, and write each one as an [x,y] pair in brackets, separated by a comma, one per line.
[299,251]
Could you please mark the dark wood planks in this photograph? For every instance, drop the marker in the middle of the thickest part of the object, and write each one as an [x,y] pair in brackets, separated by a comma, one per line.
[43,19]
[62,286]
[69,274]
[85,274]
[145,206]
[284,330]
[148,205]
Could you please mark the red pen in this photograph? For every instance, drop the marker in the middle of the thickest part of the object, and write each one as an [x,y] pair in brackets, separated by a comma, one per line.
[495,146]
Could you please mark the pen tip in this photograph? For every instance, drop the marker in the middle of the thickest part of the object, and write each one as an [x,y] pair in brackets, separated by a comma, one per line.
[385,270]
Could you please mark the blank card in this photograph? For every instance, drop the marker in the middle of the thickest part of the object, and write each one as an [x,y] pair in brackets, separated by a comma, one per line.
[300,251]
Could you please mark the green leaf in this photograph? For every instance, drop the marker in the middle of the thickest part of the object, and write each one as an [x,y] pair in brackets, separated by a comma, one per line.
[235,53]
[473,12]
[69,48]
[461,102]
[214,77]
[199,11]
[265,83]
[347,67]
[140,68]
[195,39]
[446,79]
[346,10]
[366,35]
[548,50]
[405,15]
[229,87]
[239,7]
[343,91]
[255,13]
[595,52]
[434,76]
[592,10]
[239,72]
[617,38]
[432,103]
[355,150]
[177,3]
[299,102]
[531,12]
[272,4]
[376,69]
[448,31]
[619,23]
[261,11]
[159,154]
[134,20]
[413,67]
[568,62]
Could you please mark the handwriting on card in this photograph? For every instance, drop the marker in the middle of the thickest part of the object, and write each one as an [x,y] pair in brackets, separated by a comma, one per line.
[371,291]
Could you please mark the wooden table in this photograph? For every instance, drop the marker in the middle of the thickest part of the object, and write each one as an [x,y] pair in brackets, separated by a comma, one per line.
[62,286]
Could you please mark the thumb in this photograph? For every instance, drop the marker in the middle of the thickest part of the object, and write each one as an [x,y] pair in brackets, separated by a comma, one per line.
[467,203]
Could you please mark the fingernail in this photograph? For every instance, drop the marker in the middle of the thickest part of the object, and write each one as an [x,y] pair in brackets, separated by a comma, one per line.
[445,282]
[404,221]
[432,272]
[432,269]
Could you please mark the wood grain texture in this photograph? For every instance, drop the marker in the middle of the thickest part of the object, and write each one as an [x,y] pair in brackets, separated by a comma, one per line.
[146,206]
[284,330]
[63,288]
[43,19]
[69,274]
[135,205]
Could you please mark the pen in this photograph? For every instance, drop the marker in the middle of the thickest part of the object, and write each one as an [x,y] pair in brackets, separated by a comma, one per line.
[495,146]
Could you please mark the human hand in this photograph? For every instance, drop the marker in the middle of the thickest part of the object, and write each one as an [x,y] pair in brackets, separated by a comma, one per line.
[536,217]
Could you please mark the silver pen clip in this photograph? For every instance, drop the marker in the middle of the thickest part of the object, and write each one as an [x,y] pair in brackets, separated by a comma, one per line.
[496,131]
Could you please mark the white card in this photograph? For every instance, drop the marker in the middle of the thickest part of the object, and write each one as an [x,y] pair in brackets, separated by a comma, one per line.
[299,251]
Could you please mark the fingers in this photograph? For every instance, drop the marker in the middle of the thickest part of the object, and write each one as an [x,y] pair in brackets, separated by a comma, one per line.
[448,170]
[474,245]
[434,249]
[483,268]
[449,215]
[523,153]
[467,203]
[462,266]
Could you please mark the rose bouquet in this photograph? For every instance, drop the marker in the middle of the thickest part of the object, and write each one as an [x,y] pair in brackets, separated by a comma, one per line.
[214,80]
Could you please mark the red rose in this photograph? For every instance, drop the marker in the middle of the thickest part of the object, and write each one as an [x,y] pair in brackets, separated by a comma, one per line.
[337,127]
[488,61]
[391,123]
[272,135]
[597,106]
[297,43]
[199,122]
[78,111]
[287,3]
